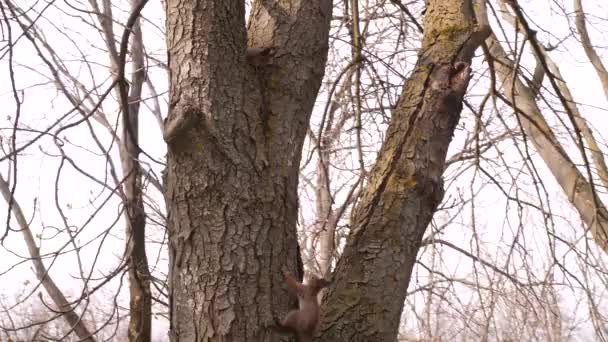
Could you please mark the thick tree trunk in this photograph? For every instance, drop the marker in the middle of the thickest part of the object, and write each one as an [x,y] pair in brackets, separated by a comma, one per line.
[235,135]
[405,185]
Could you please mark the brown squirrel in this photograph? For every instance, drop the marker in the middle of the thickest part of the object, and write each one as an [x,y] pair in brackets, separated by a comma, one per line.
[259,56]
[303,322]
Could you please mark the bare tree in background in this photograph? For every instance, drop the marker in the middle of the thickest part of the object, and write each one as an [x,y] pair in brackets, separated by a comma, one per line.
[334,155]
[129,188]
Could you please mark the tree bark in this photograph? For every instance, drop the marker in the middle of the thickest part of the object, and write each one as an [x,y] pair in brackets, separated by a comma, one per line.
[235,134]
[405,185]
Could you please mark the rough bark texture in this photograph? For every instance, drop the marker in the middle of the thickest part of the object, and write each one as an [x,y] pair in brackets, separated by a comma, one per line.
[405,185]
[235,134]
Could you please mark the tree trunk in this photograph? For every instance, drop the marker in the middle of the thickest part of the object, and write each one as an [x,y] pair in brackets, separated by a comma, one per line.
[235,135]
[405,185]
[326,217]
[140,296]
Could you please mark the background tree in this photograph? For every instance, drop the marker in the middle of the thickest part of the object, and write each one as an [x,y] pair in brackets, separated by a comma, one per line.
[336,149]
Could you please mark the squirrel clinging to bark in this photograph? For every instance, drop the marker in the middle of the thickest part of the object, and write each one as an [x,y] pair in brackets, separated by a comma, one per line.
[257,56]
[303,321]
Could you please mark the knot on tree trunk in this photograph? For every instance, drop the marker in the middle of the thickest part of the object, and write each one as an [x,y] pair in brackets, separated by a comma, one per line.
[176,125]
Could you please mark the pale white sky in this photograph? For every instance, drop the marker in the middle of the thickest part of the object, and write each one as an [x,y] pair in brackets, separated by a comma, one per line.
[78,196]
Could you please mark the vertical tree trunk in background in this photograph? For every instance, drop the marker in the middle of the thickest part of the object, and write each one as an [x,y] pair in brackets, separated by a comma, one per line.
[405,185]
[140,297]
[235,135]
[140,302]
[326,218]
